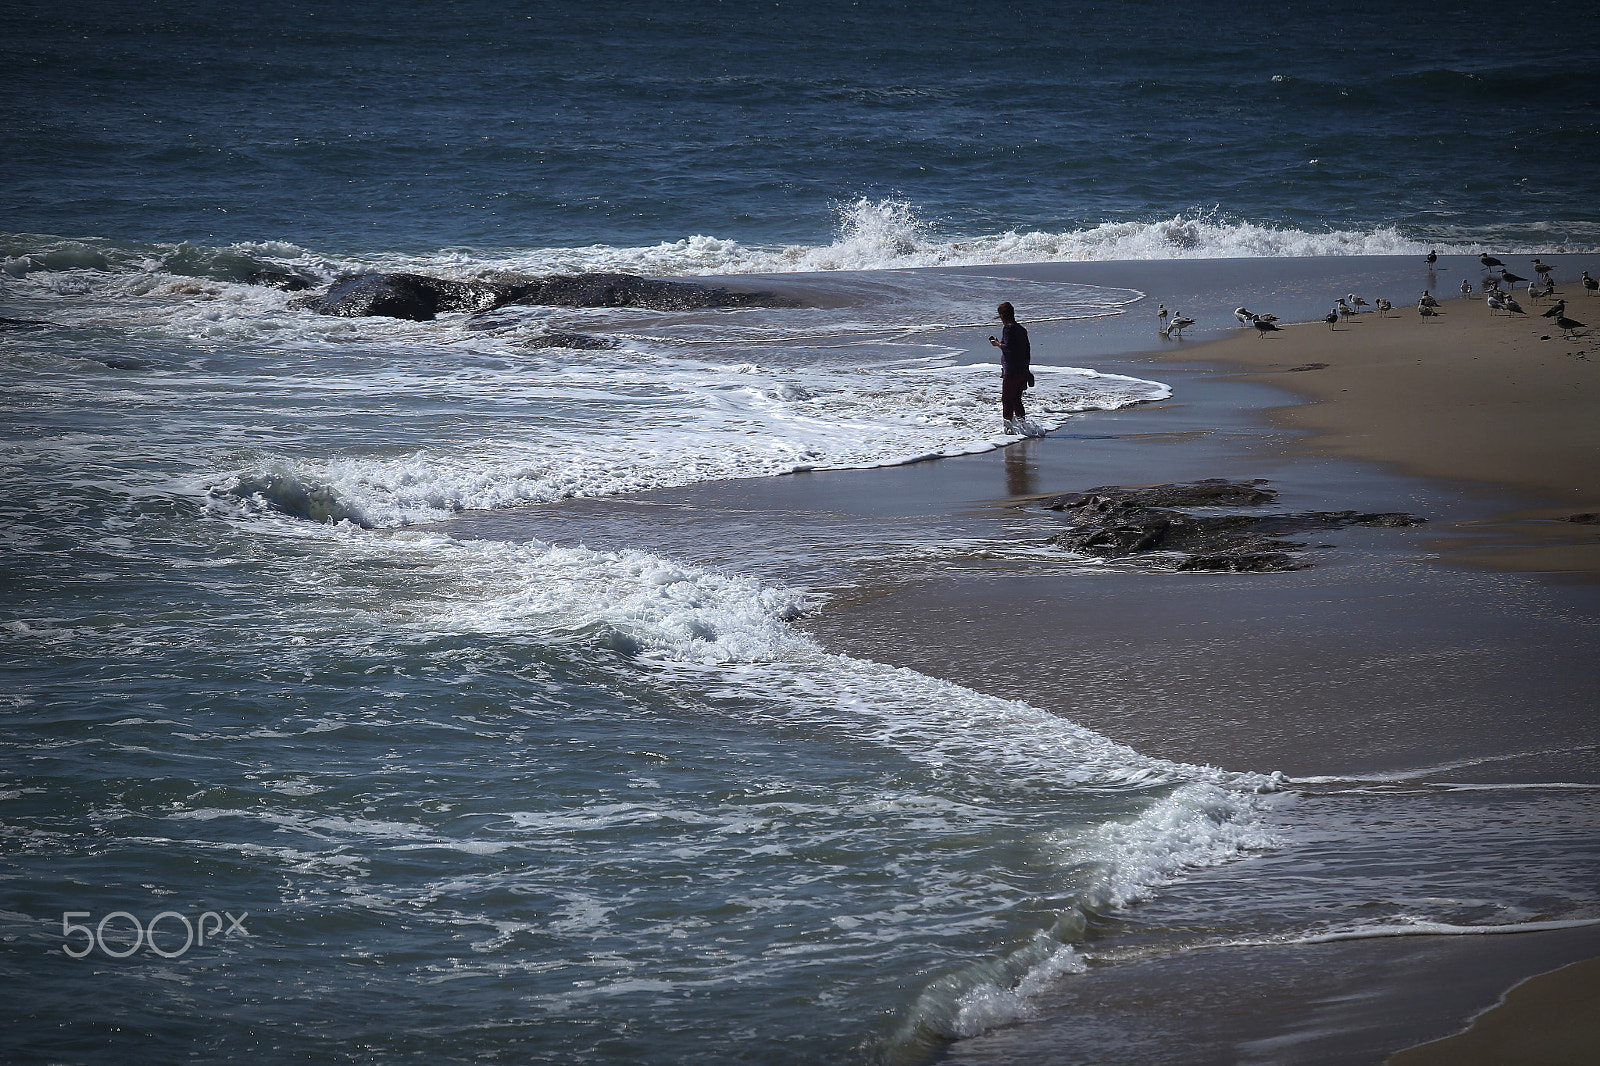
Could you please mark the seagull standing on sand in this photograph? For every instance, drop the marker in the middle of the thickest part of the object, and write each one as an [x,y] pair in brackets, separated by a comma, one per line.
[1542,269]
[1590,285]
[1356,301]
[1383,307]
[1539,292]
[1331,318]
[1244,317]
[1426,311]
[1512,307]
[1510,278]
[1466,287]
[1557,311]
[1264,328]
[1566,323]
[1344,309]
[1495,303]
[1427,301]
[1489,261]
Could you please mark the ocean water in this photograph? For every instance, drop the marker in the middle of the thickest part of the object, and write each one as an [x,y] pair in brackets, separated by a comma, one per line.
[289,773]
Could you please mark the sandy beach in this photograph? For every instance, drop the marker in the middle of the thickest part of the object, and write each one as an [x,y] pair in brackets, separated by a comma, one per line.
[1467,394]
[1460,649]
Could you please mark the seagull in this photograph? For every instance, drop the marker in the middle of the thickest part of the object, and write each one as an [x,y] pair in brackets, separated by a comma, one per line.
[1427,301]
[1384,307]
[1590,285]
[1244,317]
[1264,328]
[1179,323]
[1344,309]
[1542,268]
[1355,301]
[1512,307]
[1557,311]
[1431,258]
[1491,284]
[1541,292]
[1489,261]
[1566,323]
[1466,287]
[1161,311]
[1495,303]
[1426,311]
[1510,278]
[1265,318]
[1332,317]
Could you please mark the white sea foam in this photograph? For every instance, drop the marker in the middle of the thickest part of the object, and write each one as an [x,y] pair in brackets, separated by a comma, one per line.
[730,637]
[883,234]
[692,424]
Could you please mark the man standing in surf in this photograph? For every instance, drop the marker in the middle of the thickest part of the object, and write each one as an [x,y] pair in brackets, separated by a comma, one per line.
[1015,376]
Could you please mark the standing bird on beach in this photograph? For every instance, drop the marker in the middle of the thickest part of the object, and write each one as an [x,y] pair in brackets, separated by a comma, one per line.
[1244,317]
[1537,291]
[1178,324]
[1466,287]
[1263,328]
[1559,309]
[1494,303]
[1426,311]
[1542,269]
[1355,301]
[1590,285]
[1512,307]
[1489,261]
[1431,258]
[1344,309]
[1331,318]
[1384,306]
[1566,323]
[1510,278]
[1427,300]
[1161,312]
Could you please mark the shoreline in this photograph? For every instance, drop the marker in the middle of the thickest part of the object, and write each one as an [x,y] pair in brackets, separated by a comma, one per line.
[1399,650]
[1390,397]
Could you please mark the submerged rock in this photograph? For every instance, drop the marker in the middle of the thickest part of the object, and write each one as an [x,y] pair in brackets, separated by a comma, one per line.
[580,341]
[280,279]
[1148,524]
[420,298]
[630,290]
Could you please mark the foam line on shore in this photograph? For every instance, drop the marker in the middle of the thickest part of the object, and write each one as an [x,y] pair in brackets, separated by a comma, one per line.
[1438,929]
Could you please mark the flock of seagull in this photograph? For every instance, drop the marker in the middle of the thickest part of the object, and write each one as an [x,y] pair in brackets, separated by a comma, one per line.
[1496,298]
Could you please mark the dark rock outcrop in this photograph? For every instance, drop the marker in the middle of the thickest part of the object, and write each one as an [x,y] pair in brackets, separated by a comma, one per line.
[415,297]
[1151,525]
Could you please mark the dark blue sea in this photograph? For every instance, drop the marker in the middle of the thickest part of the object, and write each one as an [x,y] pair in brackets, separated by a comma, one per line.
[288,773]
